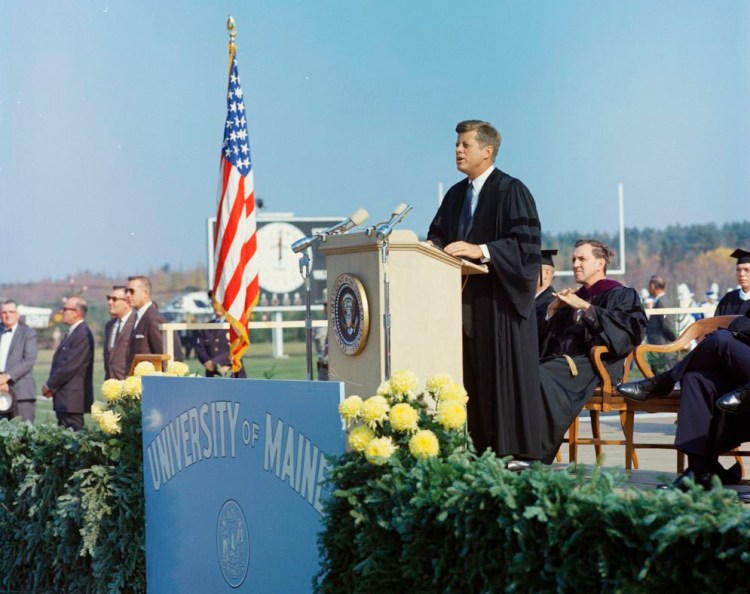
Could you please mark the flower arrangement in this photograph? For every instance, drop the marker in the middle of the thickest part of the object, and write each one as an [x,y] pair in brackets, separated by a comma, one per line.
[120,394]
[402,420]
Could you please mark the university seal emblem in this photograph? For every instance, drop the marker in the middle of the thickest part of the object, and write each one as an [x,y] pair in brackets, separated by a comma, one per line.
[233,543]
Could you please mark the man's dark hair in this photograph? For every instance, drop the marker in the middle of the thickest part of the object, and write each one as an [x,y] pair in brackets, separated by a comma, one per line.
[486,134]
[657,281]
[599,249]
[142,279]
[119,288]
[10,302]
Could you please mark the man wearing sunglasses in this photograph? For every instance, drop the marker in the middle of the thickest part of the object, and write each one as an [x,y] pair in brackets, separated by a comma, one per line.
[117,334]
[70,382]
[146,337]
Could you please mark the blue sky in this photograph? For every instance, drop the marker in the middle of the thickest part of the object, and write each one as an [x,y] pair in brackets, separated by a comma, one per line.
[111,115]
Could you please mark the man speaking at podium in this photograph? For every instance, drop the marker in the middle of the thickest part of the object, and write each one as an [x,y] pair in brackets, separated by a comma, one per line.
[491,218]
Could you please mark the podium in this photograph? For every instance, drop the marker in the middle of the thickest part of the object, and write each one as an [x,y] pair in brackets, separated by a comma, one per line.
[425,308]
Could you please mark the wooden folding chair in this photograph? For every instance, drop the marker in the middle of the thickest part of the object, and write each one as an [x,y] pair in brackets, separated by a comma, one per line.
[605,399]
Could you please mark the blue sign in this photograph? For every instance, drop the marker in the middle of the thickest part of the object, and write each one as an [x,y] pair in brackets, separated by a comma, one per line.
[232,471]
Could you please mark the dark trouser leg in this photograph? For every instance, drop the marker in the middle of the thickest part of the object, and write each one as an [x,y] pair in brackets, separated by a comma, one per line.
[719,351]
[479,409]
[72,420]
[24,409]
[699,390]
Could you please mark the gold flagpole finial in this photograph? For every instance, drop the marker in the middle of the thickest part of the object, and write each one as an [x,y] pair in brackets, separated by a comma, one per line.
[232,35]
[231,30]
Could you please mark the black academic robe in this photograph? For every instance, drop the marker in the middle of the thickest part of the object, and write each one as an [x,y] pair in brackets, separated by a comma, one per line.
[731,305]
[617,321]
[542,302]
[499,326]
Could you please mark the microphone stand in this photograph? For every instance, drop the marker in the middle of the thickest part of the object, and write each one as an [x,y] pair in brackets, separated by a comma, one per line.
[304,270]
[387,310]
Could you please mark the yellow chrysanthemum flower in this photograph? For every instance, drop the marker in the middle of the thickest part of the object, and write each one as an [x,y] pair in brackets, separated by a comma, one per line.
[451,414]
[109,422]
[403,417]
[132,387]
[349,408]
[404,382]
[359,437]
[144,368]
[179,368]
[111,390]
[424,444]
[437,381]
[384,389]
[96,411]
[374,410]
[453,392]
[379,450]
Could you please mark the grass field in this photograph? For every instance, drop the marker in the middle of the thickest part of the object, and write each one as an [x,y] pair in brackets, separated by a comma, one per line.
[259,364]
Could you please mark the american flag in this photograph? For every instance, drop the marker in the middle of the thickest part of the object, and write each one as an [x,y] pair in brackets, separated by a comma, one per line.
[235,287]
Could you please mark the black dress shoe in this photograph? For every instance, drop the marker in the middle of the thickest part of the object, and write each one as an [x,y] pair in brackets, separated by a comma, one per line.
[518,465]
[641,390]
[732,401]
[744,497]
[681,482]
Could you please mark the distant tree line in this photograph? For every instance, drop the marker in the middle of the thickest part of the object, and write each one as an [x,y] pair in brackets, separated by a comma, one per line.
[696,255]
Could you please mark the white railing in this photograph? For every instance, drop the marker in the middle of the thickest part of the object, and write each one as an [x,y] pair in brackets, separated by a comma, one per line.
[170,328]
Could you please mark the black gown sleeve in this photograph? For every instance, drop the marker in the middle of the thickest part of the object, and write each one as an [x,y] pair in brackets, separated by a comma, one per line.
[515,257]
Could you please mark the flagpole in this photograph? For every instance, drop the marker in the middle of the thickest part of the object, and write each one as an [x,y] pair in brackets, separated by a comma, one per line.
[236,279]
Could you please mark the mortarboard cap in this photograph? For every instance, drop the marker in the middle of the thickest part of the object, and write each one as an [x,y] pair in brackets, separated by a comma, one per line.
[743,256]
[547,257]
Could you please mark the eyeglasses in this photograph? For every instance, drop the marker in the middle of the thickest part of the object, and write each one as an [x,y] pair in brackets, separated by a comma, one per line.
[113,298]
[69,309]
[130,291]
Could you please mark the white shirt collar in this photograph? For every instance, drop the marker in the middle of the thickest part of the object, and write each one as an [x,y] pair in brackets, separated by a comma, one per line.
[478,182]
[141,311]
[124,318]
[74,326]
[11,329]
[744,296]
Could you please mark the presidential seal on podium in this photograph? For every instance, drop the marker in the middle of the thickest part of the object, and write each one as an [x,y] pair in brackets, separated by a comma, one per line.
[350,314]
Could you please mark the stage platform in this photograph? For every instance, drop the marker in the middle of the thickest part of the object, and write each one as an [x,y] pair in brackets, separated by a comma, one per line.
[656,465]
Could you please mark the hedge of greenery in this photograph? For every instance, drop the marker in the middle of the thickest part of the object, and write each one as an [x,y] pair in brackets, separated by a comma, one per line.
[412,510]
[466,524]
[71,508]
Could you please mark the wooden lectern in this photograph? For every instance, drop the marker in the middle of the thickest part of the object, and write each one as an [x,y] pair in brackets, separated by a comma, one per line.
[425,307]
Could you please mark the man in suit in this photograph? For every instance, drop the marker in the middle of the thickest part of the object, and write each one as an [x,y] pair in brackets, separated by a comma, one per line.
[213,349]
[491,217]
[117,334]
[146,337]
[18,351]
[660,329]
[70,382]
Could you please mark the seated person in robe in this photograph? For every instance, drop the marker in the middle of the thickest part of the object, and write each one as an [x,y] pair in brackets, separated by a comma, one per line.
[714,380]
[601,312]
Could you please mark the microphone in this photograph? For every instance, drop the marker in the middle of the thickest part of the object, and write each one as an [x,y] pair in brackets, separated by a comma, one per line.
[358,217]
[399,214]
[302,244]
